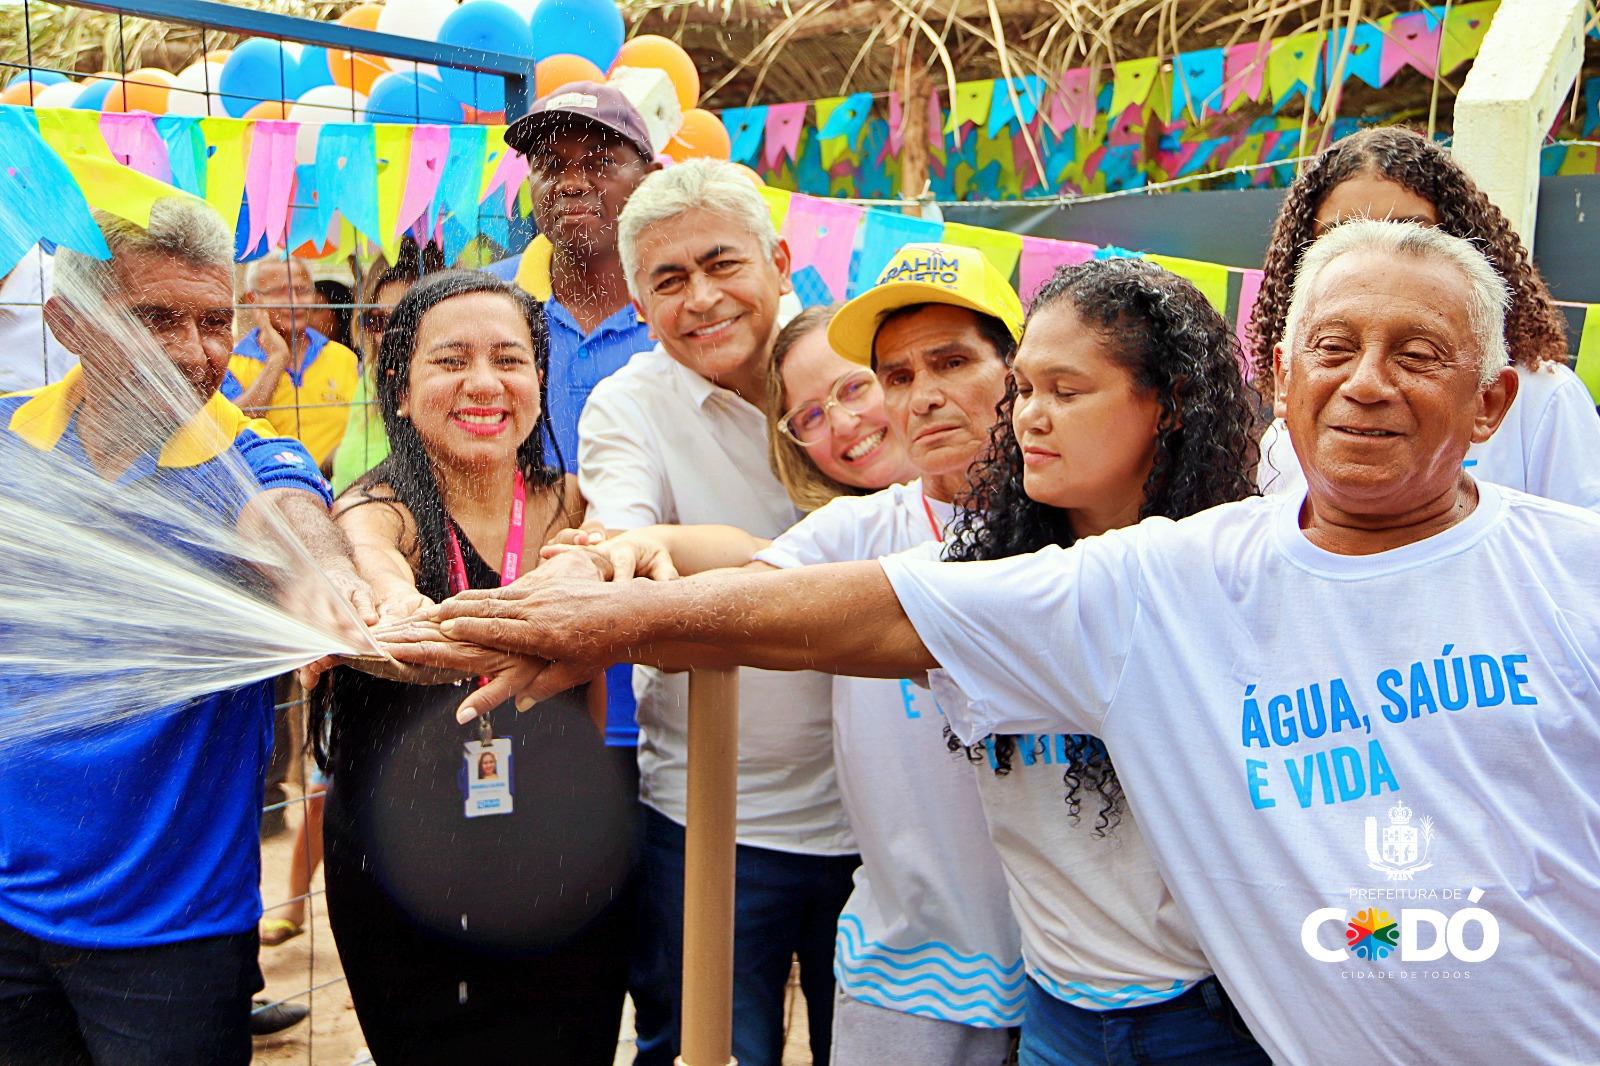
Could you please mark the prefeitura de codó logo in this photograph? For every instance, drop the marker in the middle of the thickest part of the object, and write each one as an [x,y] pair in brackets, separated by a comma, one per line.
[1408,933]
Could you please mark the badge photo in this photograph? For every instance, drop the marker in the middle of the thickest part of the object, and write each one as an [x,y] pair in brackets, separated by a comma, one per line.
[487,777]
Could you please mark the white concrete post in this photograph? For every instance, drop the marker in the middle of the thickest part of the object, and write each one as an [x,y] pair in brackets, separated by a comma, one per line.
[1527,62]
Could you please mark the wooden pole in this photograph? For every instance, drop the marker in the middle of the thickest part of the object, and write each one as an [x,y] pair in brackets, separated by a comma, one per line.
[708,856]
[911,81]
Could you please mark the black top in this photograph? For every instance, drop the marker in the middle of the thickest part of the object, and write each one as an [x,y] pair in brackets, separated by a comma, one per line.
[524,879]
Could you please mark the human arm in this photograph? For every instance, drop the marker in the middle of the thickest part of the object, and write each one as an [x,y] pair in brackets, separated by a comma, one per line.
[257,396]
[1560,455]
[663,552]
[619,471]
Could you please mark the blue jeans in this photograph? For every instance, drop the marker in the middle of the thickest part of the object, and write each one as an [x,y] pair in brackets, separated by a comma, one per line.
[1199,1026]
[784,905]
[180,1004]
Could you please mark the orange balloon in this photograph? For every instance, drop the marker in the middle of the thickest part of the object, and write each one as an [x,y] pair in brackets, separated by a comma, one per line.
[18,92]
[218,55]
[555,71]
[357,70]
[144,89]
[272,109]
[702,136]
[756,179]
[653,51]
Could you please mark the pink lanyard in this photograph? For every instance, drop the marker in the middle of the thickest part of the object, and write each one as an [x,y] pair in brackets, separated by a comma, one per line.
[511,565]
[933,523]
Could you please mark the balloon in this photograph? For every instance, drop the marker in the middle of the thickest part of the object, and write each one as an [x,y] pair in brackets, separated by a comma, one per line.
[558,70]
[218,55]
[310,71]
[60,94]
[325,103]
[145,89]
[417,19]
[401,96]
[23,91]
[258,70]
[589,28]
[357,70]
[268,109]
[40,78]
[491,27]
[189,95]
[755,178]
[96,88]
[650,50]
[702,136]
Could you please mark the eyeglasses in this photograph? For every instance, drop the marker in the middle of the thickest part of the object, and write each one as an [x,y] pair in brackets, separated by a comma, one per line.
[375,322]
[808,422]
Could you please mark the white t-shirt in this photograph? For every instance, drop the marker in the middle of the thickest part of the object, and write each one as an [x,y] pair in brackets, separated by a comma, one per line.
[30,355]
[927,930]
[1548,444]
[658,443]
[1400,751]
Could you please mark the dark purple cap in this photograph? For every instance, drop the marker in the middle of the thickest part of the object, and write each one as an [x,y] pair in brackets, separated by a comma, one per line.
[585,101]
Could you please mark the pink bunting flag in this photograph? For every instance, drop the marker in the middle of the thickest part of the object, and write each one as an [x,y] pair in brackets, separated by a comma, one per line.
[1041,257]
[509,174]
[897,118]
[1073,104]
[1249,291]
[430,147]
[1023,159]
[1128,127]
[935,120]
[134,142]
[1244,70]
[1412,40]
[269,179]
[784,124]
[821,235]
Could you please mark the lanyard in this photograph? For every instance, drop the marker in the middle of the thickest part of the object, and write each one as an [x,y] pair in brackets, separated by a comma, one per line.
[933,523]
[510,567]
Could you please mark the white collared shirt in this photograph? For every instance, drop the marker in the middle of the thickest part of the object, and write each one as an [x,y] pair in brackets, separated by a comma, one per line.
[658,443]
[30,356]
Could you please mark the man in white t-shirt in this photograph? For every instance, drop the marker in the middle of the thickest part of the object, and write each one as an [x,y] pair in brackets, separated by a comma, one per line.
[1360,727]
[678,435]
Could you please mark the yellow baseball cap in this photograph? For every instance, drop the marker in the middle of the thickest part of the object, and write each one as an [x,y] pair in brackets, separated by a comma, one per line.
[925,274]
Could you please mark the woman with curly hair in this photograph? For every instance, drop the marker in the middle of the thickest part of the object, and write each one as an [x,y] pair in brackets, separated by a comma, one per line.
[1391,173]
[1126,402]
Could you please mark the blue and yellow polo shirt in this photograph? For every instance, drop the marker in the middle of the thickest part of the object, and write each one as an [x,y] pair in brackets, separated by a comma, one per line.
[143,832]
[311,404]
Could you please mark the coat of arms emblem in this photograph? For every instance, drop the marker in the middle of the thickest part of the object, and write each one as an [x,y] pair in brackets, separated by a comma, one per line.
[1400,849]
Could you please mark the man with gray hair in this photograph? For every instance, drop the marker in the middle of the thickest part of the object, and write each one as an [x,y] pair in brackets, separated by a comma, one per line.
[679,436]
[1381,692]
[129,860]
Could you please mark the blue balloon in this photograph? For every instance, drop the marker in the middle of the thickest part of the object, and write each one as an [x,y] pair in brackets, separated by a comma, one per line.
[94,97]
[492,27]
[310,72]
[40,77]
[407,97]
[257,70]
[589,28]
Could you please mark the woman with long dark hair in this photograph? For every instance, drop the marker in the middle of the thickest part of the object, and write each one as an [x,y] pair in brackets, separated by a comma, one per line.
[1126,402]
[1544,444]
[475,914]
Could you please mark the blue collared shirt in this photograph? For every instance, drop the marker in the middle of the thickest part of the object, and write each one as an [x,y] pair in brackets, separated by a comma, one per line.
[578,363]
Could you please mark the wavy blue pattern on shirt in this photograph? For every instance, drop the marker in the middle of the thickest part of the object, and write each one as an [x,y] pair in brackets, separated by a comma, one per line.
[1089,997]
[931,979]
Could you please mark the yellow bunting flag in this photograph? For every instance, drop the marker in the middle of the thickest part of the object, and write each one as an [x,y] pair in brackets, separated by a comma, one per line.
[226,139]
[1293,60]
[1131,82]
[1001,248]
[1588,366]
[1210,278]
[1464,27]
[393,144]
[106,184]
[494,149]
[972,103]
[777,203]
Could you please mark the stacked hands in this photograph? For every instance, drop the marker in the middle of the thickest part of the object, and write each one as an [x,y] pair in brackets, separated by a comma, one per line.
[551,629]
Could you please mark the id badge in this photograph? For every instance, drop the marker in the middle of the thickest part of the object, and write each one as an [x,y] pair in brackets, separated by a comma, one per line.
[488,777]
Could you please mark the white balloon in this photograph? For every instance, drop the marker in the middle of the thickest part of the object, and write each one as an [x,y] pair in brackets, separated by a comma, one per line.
[417,19]
[325,103]
[188,95]
[61,94]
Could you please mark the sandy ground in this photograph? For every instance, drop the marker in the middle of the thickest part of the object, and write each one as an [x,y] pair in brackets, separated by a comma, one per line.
[331,1036]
